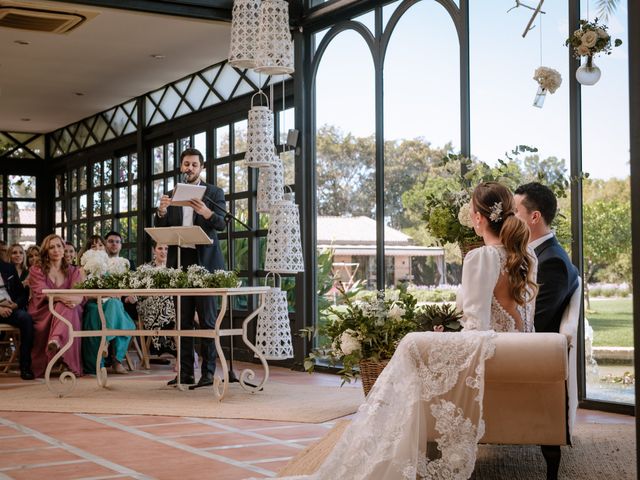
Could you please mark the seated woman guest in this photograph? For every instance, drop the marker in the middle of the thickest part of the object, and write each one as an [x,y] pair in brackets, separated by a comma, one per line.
[33,256]
[159,313]
[19,260]
[50,334]
[116,319]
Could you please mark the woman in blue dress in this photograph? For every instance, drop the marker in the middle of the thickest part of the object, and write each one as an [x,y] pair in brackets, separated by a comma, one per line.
[116,319]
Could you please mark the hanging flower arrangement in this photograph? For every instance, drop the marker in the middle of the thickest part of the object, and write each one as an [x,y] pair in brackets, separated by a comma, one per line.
[591,39]
[548,78]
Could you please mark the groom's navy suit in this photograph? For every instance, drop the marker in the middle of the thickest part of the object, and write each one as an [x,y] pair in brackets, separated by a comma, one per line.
[558,279]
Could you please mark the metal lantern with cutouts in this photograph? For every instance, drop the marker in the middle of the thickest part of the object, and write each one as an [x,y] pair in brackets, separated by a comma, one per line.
[274,52]
[270,185]
[244,31]
[260,145]
[284,248]
[273,331]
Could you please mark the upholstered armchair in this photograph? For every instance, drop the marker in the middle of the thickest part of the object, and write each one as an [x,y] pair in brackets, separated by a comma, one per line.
[531,394]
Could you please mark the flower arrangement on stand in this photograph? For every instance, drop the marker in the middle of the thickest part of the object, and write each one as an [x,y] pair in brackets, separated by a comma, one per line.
[147,276]
[363,334]
[590,39]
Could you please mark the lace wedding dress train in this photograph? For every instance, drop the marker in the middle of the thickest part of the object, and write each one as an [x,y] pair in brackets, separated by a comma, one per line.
[429,395]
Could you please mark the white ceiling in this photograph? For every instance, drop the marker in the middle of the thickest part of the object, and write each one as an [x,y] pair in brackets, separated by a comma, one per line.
[108,59]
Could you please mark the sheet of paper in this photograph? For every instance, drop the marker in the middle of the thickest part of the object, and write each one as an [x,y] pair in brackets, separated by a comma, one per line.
[185,192]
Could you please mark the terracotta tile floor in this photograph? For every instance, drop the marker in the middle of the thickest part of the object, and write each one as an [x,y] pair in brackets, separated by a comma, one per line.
[80,446]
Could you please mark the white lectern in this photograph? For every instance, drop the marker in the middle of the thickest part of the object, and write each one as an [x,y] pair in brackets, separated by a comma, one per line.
[179,236]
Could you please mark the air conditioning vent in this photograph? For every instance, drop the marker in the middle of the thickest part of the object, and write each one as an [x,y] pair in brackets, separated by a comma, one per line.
[39,20]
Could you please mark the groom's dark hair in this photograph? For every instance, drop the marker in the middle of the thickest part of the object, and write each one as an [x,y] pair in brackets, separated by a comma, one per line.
[539,197]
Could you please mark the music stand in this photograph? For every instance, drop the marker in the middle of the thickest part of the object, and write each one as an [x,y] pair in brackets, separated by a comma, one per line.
[179,236]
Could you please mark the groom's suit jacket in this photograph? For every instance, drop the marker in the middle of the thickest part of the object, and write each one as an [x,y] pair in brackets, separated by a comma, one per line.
[558,279]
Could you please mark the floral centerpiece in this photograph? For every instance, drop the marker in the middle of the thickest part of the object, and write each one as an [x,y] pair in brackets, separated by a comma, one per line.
[363,334]
[591,39]
[148,276]
[96,264]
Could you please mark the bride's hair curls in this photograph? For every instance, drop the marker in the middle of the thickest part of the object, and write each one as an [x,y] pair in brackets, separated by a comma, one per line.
[495,202]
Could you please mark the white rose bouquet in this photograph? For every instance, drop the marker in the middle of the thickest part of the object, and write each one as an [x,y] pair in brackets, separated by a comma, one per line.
[94,263]
[548,78]
[590,39]
[365,329]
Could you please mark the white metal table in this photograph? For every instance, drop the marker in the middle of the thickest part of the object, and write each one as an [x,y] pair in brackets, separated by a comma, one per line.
[220,384]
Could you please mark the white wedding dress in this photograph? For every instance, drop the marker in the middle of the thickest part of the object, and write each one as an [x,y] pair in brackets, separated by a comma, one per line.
[430,393]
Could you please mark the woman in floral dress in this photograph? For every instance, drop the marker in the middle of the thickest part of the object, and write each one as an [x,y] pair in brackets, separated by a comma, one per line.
[158,313]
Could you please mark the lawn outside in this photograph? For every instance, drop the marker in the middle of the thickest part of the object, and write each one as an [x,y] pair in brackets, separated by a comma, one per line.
[612,322]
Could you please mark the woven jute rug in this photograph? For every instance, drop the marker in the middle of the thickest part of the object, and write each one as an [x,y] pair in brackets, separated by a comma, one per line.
[277,401]
[600,451]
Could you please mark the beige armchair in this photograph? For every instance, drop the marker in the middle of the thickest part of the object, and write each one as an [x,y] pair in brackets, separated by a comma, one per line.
[531,394]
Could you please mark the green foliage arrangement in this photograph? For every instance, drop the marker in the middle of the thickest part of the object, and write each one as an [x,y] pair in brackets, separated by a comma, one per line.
[371,327]
[447,198]
[147,276]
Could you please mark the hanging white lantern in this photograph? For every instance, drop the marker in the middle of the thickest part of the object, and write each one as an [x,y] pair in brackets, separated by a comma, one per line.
[284,248]
[270,185]
[273,333]
[244,31]
[274,53]
[260,145]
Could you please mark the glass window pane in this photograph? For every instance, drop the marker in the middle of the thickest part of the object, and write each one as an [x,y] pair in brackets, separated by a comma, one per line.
[107,202]
[200,142]
[222,177]
[183,144]
[23,236]
[133,230]
[158,190]
[133,172]
[74,208]
[123,169]
[83,206]
[241,254]
[158,160]
[107,226]
[96,178]
[58,212]
[289,163]
[134,198]
[172,158]
[107,173]
[21,212]
[286,121]
[82,178]
[222,141]
[22,186]
[240,136]
[241,177]
[242,212]
[97,204]
[123,199]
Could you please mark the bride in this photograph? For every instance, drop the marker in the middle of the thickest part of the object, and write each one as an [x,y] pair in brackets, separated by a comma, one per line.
[423,417]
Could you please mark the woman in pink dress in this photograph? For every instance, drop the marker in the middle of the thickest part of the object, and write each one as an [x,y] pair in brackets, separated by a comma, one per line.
[50,333]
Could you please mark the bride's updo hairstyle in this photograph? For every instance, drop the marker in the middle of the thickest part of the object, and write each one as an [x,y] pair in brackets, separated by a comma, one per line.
[495,202]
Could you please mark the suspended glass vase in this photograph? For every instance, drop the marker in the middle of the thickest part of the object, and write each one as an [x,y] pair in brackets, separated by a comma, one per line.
[244,31]
[589,73]
[270,185]
[284,248]
[273,331]
[274,55]
[541,94]
[260,145]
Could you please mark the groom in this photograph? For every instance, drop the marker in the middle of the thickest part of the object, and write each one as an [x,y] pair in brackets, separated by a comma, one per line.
[536,205]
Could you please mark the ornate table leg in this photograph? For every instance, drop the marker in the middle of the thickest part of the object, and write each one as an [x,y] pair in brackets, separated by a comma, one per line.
[247,373]
[67,379]
[103,349]
[217,381]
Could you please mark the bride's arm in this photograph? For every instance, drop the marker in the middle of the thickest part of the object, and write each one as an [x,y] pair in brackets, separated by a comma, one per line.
[480,272]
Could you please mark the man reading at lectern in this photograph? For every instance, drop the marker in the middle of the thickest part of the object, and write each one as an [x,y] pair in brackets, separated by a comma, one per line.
[204,214]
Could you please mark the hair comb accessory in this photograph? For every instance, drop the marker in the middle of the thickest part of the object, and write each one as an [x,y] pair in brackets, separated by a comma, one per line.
[496,212]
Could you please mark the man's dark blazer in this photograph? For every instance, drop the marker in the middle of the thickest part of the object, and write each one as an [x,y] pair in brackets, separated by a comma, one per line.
[14,286]
[209,256]
[558,279]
